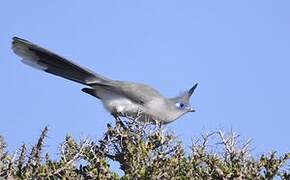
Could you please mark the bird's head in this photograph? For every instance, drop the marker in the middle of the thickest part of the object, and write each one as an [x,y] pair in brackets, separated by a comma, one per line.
[181,103]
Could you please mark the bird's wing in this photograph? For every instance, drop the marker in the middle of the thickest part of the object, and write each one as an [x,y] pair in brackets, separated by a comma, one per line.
[40,58]
[138,93]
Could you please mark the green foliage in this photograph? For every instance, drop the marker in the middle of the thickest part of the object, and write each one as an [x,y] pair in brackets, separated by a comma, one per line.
[144,151]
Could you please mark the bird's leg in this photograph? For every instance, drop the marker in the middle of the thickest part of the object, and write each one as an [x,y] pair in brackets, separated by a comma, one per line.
[118,120]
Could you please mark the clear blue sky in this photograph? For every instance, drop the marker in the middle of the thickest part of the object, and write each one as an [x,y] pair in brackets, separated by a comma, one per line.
[238,51]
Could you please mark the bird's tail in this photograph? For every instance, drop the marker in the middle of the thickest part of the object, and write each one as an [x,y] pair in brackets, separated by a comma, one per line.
[40,58]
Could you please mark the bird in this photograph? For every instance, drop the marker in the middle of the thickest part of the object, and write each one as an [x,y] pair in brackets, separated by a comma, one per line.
[123,99]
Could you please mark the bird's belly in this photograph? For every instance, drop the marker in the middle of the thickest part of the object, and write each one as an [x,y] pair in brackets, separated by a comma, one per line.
[119,105]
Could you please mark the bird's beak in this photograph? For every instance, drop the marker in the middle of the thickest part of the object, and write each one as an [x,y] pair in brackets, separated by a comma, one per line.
[191,110]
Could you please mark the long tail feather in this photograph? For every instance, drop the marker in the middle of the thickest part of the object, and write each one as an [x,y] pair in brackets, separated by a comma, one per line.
[40,58]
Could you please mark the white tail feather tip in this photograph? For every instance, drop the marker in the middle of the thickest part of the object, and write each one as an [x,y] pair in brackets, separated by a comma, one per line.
[34,64]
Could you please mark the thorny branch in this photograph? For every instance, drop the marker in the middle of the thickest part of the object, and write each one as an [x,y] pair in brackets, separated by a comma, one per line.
[144,151]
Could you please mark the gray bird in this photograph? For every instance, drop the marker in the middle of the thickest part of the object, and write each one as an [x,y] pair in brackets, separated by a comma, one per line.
[120,98]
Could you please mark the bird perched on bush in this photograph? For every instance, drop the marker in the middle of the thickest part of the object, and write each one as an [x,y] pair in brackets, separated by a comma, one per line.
[120,98]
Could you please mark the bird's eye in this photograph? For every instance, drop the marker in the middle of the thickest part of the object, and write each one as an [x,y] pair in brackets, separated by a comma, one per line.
[180,105]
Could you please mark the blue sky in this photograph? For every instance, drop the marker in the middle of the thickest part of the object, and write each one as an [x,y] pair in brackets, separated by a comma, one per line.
[238,51]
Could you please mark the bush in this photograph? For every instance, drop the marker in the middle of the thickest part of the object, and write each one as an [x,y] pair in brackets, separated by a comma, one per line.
[144,151]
